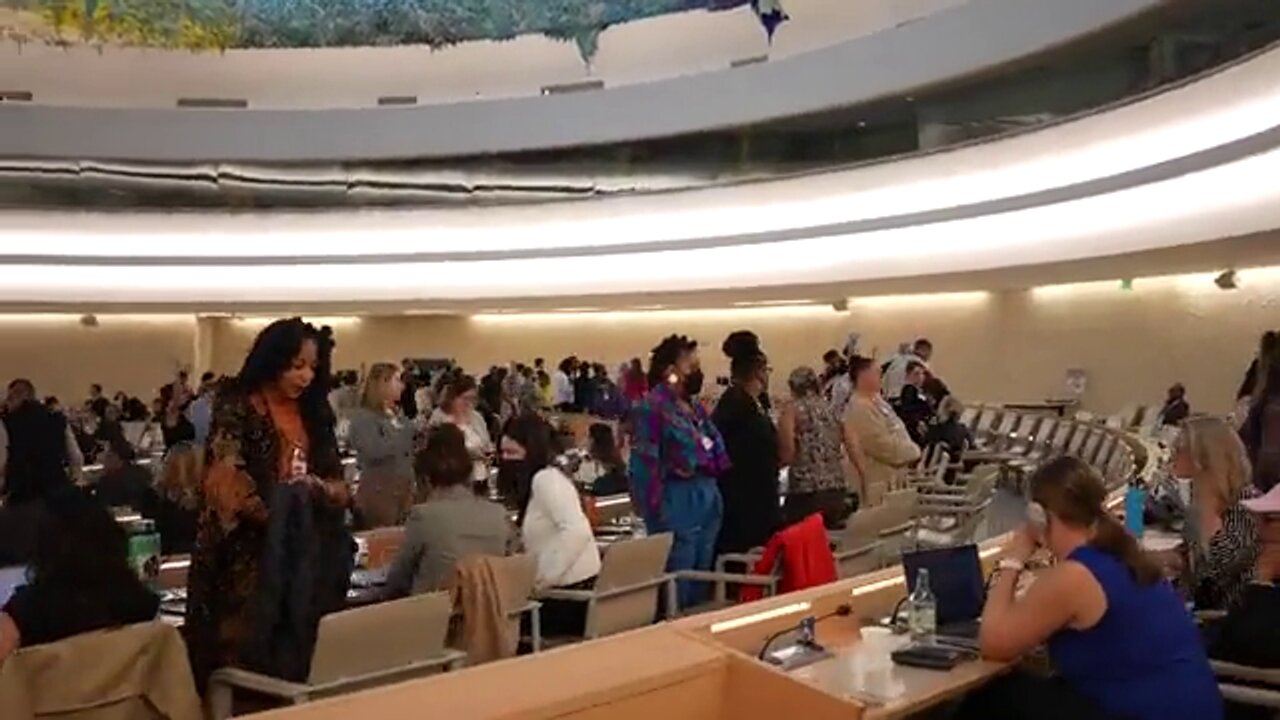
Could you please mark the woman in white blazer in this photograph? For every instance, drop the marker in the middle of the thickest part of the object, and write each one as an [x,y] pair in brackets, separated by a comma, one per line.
[553,526]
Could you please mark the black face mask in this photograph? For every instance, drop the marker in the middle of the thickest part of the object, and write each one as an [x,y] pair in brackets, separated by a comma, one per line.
[693,383]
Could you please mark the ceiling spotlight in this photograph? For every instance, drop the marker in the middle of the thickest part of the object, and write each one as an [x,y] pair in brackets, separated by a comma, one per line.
[1226,280]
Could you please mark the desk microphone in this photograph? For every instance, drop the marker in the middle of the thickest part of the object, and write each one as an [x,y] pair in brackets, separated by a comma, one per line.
[806,638]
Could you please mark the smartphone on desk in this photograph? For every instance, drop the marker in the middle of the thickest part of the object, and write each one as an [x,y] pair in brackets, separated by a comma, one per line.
[931,657]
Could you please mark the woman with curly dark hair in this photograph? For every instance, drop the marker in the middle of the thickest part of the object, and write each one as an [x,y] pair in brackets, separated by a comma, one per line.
[273,553]
[676,456]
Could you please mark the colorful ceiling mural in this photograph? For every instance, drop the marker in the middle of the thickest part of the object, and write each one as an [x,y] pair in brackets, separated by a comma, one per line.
[231,24]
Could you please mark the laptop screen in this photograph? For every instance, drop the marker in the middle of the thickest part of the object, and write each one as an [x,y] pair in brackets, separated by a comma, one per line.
[11,578]
[955,576]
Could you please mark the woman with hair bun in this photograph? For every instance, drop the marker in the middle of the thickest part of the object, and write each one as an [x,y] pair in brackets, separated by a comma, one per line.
[750,485]
[1121,643]
[271,468]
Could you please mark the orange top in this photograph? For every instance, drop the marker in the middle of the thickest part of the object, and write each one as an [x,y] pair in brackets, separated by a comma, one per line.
[287,420]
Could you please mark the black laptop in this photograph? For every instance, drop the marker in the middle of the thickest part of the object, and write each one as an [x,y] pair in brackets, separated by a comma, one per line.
[955,576]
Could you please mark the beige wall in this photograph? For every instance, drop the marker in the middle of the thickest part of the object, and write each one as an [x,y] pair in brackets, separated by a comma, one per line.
[62,356]
[1013,345]
[1002,346]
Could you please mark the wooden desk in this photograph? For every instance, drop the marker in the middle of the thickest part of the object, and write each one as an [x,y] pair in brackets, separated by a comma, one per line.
[649,673]
[745,628]
[861,670]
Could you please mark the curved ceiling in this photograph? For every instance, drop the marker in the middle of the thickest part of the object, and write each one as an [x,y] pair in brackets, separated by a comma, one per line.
[1186,166]
[929,50]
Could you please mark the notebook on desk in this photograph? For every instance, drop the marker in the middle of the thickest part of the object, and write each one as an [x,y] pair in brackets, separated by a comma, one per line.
[955,576]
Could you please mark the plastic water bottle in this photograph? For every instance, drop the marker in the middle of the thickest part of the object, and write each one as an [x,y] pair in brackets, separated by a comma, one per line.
[922,609]
[144,551]
[1135,503]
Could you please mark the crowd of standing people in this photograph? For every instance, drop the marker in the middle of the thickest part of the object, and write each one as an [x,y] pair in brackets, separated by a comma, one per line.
[254,483]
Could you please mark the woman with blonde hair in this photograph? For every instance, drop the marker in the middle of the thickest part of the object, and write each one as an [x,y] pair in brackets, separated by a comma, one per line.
[382,438]
[1223,546]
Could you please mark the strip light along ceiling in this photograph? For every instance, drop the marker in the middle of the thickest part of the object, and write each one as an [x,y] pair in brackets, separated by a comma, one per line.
[1236,103]
[1233,199]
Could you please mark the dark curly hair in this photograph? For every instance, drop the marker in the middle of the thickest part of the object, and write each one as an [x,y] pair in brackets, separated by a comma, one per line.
[744,353]
[272,355]
[666,354]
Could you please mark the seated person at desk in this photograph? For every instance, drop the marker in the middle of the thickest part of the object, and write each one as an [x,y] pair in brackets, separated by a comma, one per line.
[124,483]
[1119,638]
[80,579]
[452,524]
[603,472]
[1222,548]
[552,524]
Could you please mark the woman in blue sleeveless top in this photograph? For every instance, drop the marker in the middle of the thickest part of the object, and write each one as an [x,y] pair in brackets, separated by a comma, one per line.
[1122,645]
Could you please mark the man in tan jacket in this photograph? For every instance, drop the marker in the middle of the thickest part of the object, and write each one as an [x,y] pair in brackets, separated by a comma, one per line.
[885,447]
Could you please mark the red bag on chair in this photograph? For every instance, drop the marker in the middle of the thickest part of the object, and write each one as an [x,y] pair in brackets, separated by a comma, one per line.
[805,554]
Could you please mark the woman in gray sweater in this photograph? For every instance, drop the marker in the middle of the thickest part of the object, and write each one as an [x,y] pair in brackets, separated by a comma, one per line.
[382,438]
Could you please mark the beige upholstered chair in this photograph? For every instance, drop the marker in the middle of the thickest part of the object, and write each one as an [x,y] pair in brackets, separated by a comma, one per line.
[491,596]
[984,427]
[625,596]
[138,672]
[951,518]
[888,526]
[856,561]
[355,650]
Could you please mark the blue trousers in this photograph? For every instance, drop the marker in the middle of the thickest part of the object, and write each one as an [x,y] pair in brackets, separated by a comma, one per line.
[691,512]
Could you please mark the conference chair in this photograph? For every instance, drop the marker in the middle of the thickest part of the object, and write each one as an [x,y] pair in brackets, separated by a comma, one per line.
[1026,433]
[969,416]
[1119,467]
[856,561]
[952,518]
[1103,451]
[982,427]
[1090,448]
[999,438]
[355,650]
[1262,688]
[1062,437]
[932,468]
[887,525]
[139,672]
[626,593]
[1081,436]
[491,596]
